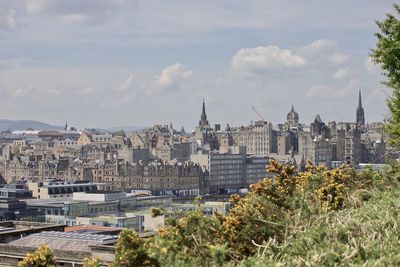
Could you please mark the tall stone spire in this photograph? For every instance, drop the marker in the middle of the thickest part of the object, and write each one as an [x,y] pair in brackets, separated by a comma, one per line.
[203,119]
[360,119]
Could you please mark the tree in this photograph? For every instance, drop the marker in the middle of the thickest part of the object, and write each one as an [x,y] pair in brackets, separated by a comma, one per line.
[131,250]
[387,55]
[42,257]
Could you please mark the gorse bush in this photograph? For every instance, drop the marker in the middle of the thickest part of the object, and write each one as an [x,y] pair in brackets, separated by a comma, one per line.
[269,218]
[42,257]
[131,250]
[191,237]
[291,219]
[91,262]
[361,236]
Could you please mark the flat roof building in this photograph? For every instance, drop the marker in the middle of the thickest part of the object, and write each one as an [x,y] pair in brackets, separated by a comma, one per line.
[62,189]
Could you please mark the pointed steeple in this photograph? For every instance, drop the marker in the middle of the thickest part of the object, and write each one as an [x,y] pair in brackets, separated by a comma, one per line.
[360,118]
[203,118]
[66,126]
[318,118]
[203,111]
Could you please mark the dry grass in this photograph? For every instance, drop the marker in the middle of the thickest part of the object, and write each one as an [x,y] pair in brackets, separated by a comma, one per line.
[366,235]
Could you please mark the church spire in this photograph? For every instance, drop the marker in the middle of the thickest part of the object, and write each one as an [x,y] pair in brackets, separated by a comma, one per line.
[203,119]
[360,118]
[203,112]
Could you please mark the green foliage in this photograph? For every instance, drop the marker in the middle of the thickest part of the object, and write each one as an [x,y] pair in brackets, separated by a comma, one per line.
[187,241]
[387,55]
[42,257]
[364,236]
[130,250]
[292,219]
[91,262]
[155,212]
[255,218]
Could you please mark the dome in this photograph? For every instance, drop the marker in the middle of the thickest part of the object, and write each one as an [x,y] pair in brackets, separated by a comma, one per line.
[292,115]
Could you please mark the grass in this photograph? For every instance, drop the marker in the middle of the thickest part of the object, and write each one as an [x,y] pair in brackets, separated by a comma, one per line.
[366,235]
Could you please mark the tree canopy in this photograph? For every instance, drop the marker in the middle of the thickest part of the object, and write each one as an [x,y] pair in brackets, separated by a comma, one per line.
[387,55]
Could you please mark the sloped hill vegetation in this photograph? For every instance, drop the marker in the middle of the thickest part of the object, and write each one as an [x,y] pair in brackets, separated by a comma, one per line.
[317,217]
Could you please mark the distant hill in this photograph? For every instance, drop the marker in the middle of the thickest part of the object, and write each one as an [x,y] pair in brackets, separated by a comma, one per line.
[13,125]
[26,124]
[125,128]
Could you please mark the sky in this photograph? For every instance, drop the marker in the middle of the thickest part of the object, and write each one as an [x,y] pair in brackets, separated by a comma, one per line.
[103,63]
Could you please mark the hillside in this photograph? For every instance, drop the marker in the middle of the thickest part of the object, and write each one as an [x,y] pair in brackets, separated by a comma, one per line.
[367,235]
[26,124]
[12,125]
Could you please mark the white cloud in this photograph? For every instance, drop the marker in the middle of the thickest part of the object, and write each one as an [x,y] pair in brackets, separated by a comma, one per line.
[23,92]
[338,58]
[318,47]
[36,6]
[126,84]
[170,79]
[371,67]
[173,75]
[76,11]
[333,91]
[322,52]
[87,91]
[75,18]
[265,58]
[7,18]
[343,73]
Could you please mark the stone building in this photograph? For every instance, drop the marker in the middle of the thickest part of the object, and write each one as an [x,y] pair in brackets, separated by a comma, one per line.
[39,167]
[158,177]
[346,142]
[257,138]
[316,149]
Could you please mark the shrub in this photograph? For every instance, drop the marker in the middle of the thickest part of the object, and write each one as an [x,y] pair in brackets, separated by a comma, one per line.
[131,250]
[189,239]
[42,257]
[91,262]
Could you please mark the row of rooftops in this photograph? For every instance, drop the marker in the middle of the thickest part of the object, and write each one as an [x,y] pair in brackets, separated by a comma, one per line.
[71,241]
[68,200]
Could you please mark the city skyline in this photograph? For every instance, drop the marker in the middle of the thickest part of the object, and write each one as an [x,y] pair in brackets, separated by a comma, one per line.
[203,118]
[115,63]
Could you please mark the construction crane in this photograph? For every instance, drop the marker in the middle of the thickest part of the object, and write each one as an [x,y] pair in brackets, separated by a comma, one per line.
[258,113]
